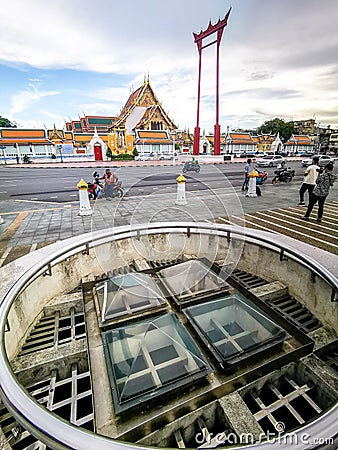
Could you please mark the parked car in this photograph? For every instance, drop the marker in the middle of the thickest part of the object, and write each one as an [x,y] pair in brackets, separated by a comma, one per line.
[144,157]
[247,155]
[323,159]
[165,156]
[270,161]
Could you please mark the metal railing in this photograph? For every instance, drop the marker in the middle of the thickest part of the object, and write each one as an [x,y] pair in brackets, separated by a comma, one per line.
[59,434]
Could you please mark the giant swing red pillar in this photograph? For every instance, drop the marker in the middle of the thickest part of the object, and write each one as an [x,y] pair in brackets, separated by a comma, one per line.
[217,28]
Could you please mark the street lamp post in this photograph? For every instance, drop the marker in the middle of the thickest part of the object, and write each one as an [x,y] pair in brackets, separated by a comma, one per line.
[59,147]
[143,141]
[3,148]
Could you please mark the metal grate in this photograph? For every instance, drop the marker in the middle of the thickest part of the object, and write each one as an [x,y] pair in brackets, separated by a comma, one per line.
[121,270]
[15,436]
[248,280]
[329,354]
[70,398]
[283,405]
[54,330]
[165,263]
[206,427]
[295,312]
[42,336]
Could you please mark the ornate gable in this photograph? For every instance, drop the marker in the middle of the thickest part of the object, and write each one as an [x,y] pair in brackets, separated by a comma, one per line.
[56,135]
[144,97]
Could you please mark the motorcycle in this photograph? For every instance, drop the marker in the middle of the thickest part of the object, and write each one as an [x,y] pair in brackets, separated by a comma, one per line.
[262,177]
[283,175]
[191,167]
[93,190]
[95,187]
[113,190]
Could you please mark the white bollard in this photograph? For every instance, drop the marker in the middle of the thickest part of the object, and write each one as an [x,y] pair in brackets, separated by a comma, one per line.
[85,208]
[180,198]
[252,185]
[1,220]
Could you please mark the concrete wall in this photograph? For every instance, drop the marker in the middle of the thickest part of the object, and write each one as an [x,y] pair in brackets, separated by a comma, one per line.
[67,274]
[308,289]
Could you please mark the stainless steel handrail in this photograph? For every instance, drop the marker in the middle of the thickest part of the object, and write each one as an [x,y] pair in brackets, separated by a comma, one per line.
[60,434]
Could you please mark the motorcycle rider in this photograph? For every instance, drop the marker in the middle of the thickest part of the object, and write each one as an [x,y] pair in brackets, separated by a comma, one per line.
[110,182]
[96,186]
[191,165]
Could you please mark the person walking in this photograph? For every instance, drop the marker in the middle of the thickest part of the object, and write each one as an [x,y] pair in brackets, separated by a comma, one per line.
[324,181]
[309,182]
[247,170]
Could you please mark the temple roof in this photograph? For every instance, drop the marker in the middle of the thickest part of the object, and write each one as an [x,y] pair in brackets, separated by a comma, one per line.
[239,138]
[12,136]
[144,97]
[153,136]
[299,139]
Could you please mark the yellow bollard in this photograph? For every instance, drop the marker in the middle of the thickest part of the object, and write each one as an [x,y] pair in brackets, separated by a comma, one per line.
[85,209]
[252,183]
[180,198]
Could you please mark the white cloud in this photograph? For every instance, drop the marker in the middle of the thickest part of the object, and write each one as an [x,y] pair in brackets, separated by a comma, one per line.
[278,58]
[25,99]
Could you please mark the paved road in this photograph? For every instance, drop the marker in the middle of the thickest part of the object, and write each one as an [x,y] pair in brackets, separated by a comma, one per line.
[59,184]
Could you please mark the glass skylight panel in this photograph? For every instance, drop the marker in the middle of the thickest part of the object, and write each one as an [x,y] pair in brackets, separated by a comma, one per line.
[190,278]
[149,358]
[233,327]
[127,294]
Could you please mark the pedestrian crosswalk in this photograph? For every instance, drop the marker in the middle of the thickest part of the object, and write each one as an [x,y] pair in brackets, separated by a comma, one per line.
[288,221]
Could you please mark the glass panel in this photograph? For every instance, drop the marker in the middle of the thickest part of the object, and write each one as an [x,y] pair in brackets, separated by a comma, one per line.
[191,277]
[149,356]
[127,294]
[233,326]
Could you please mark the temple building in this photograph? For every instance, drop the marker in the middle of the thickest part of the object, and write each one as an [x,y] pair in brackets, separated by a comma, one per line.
[144,118]
[239,142]
[143,124]
[88,124]
[299,143]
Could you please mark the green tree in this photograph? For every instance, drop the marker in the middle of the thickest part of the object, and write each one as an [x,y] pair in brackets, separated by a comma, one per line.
[276,125]
[5,123]
[109,154]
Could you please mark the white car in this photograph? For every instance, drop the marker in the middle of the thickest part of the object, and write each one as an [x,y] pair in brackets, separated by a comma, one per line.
[166,156]
[270,161]
[144,157]
[322,160]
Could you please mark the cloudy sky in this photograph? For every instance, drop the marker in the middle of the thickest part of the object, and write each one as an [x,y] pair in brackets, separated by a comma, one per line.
[66,58]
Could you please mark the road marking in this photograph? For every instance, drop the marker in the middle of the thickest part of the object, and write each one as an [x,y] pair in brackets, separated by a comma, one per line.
[53,196]
[4,255]
[3,192]
[33,247]
[34,198]
[72,195]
